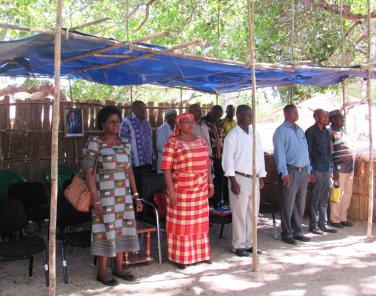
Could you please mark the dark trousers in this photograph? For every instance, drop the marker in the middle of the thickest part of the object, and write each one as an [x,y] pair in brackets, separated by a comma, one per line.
[292,203]
[216,200]
[139,172]
[318,202]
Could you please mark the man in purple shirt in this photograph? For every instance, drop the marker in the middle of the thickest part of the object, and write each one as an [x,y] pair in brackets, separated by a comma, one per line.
[136,128]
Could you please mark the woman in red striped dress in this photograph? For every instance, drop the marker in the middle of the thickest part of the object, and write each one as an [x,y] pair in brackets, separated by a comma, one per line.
[186,166]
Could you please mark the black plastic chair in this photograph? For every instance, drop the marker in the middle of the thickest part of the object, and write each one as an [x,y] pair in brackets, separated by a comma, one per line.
[68,216]
[150,184]
[13,219]
[33,196]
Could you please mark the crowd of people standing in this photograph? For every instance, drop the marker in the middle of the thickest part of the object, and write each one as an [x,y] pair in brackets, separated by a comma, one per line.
[207,162]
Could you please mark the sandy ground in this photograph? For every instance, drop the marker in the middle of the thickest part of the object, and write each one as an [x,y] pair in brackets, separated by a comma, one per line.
[336,264]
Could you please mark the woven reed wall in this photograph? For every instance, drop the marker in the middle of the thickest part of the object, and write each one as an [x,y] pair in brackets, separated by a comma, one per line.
[25,145]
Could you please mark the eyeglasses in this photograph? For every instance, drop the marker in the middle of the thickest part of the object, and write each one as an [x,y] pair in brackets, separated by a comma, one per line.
[114,122]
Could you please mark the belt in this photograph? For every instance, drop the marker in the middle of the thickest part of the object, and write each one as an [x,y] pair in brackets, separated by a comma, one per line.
[245,175]
[295,168]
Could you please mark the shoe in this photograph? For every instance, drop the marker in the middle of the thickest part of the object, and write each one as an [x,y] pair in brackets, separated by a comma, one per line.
[250,250]
[241,253]
[337,225]
[181,266]
[327,229]
[302,238]
[289,240]
[316,230]
[208,261]
[110,282]
[127,276]
[347,223]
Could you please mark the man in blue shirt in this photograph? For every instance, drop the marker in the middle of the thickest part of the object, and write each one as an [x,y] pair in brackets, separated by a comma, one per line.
[320,156]
[292,161]
[136,128]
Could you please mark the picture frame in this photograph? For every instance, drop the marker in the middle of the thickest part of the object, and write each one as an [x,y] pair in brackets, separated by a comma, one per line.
[73,122]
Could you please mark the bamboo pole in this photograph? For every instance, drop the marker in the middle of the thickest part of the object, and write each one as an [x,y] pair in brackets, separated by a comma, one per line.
[292,44]
[144,56]
[343,62]
[54,151]
[369,97]
[251,15]
[95,22]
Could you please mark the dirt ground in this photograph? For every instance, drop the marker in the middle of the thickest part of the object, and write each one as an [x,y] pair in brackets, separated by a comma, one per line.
[333,264]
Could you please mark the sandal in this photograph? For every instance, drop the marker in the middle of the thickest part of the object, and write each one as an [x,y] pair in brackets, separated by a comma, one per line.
[127,276]
[110,282]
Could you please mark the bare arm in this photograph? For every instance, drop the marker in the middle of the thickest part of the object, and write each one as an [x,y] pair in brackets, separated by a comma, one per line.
[171,194]
[132,183]
[210,183]
[92,186]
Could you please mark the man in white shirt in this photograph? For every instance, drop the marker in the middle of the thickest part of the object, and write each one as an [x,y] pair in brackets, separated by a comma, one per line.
[237,165]
[164,133]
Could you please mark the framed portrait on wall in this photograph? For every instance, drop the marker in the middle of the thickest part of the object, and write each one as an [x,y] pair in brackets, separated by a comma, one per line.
[73,122]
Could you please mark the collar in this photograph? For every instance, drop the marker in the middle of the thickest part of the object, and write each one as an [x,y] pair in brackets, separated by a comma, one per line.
[289,125]
[240,130]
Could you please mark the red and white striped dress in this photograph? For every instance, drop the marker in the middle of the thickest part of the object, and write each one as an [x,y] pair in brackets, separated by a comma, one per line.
[188,221]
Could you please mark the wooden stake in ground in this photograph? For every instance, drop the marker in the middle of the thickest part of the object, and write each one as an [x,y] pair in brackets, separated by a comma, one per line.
[54,151]
[251,14]
[369,97]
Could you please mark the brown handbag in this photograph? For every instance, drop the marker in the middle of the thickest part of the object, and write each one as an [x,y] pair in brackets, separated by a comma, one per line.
[78,194]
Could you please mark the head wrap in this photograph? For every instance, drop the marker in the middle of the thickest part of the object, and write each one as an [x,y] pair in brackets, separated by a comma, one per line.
[179,120]
[170,111]
[334,113]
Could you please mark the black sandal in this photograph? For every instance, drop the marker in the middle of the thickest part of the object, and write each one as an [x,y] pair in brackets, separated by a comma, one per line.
[127,276]
[110,282]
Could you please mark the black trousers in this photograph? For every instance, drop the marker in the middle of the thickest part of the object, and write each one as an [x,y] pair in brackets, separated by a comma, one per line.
[138,172]
[219,195]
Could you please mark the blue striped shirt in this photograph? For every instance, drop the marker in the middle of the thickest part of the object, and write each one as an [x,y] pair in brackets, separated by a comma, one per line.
[290,148]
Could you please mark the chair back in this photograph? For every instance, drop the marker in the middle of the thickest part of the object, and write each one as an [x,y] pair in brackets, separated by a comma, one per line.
[31,194]
[150,184]
[12,216]
[64,173]
[7,178]
[67,215]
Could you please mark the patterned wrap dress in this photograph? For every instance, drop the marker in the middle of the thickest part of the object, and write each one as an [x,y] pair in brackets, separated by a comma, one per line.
[115,230]
[187,223]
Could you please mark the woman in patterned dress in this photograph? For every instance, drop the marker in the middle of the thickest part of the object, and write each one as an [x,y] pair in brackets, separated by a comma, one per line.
[113,222]
[186,166]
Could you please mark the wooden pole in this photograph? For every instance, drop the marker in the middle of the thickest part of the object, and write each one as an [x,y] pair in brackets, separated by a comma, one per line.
[251,14]
[54,151]
[181,101]
[92,23]
[292,44]
[369,97]
[343,63]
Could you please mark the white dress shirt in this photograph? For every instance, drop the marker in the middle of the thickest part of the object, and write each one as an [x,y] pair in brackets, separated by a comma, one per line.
[163,134]
[237,153]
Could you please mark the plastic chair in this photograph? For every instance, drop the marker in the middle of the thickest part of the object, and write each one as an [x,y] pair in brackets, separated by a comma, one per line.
[33,196]
[64,173]
[67,216]
[7,178]
[13,219]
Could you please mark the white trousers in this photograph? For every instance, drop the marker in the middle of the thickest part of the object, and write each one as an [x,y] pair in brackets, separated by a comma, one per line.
[242,212]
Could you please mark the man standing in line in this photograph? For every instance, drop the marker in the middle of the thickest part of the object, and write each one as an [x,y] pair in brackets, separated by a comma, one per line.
[321,167]
[200,129]
[292,161]
[214,124]
[163,134]
[229,122]
[137,129]
[343,173]
[237,164]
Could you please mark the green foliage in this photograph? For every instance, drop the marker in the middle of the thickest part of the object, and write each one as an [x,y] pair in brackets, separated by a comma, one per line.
[317,32]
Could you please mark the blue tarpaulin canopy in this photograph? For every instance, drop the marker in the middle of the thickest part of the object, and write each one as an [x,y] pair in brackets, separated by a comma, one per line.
[83,59]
